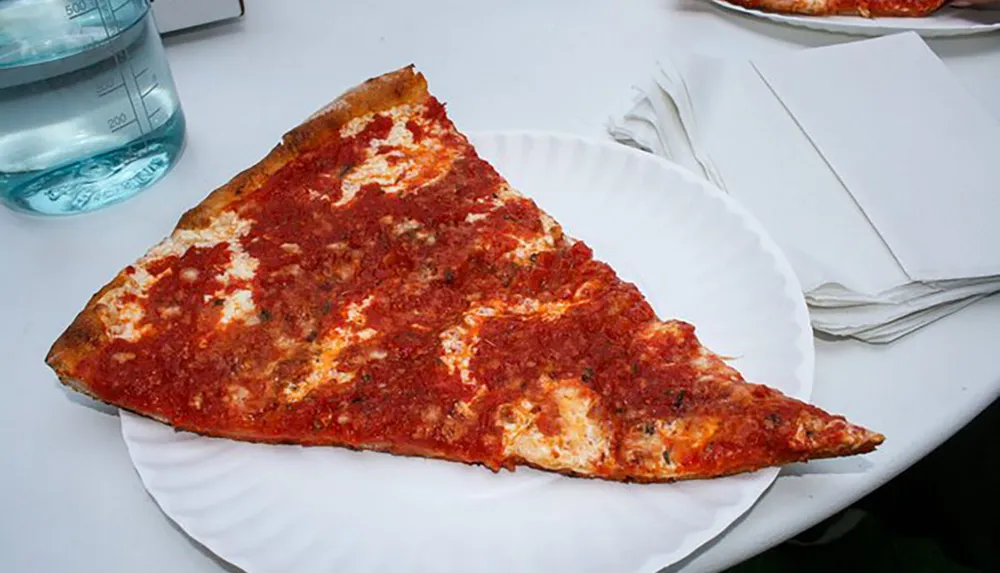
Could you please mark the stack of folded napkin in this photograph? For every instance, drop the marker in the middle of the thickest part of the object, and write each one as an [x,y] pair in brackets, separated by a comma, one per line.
[874,170]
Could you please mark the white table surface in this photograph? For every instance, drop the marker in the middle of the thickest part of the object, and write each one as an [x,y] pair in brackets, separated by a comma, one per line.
[69,498]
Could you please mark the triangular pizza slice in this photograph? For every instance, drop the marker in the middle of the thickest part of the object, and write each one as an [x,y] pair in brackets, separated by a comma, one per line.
[372,283]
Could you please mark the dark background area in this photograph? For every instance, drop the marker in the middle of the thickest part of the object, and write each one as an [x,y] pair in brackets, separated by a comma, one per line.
[940,516]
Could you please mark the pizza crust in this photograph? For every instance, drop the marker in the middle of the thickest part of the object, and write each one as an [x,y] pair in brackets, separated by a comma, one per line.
[86,333]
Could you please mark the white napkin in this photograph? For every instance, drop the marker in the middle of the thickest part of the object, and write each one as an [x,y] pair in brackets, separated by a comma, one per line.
[867,162]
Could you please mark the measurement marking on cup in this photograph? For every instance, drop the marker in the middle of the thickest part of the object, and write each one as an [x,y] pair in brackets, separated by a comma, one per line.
[142,71]
[79,8]
[135,113]
[154,112]
[123,126]
[120,6]
[102,93]
[121,57]
[149,91]
[142,95]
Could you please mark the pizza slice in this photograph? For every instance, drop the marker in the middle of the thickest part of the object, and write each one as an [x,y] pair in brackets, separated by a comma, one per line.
[372,283]
[864,8]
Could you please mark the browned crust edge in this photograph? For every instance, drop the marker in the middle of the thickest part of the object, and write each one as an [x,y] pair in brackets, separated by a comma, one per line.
[405,85]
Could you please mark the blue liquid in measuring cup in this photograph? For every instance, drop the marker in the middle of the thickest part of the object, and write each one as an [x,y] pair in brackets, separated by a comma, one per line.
[89,115]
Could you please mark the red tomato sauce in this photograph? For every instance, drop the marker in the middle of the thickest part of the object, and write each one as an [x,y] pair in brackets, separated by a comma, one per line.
[316,259]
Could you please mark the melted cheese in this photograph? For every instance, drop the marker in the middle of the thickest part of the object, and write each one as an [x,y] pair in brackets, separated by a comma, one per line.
[406,226]
[356,125]
[122,321]
[458,343]
[122,317]
[504,194]
[655,446]
[582,442]
[810,432]
[236,395]
[327,367]
[417,228]
[407,165]
[375,169]
[227,226]
[547,240]
[545,310]
[239,305]
[527,245]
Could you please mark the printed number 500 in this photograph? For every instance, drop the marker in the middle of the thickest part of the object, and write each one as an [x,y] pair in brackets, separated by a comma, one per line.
[78,7]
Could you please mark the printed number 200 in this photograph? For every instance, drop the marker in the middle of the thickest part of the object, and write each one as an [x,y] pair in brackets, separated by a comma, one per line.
[118,121]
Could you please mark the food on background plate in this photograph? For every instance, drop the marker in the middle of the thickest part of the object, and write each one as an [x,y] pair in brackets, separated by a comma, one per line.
[372,283]
[865,8]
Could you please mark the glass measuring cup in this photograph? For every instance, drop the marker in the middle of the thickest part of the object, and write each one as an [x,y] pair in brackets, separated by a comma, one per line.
[89,114]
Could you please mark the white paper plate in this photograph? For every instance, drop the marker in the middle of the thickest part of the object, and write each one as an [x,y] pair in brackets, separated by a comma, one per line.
[695,253]
[944,22]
